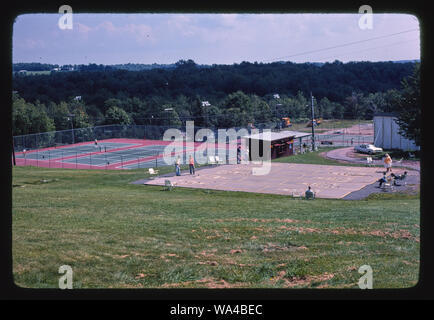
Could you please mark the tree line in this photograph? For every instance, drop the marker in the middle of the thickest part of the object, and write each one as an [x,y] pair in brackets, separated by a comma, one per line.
[217,96]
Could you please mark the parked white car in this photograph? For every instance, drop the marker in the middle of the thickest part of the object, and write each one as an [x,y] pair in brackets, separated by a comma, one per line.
[368,148]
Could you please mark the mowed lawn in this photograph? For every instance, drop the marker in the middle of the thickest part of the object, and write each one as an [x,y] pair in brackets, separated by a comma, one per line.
[117,235]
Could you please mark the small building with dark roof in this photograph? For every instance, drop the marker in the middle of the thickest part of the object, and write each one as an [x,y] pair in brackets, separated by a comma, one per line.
[281,143]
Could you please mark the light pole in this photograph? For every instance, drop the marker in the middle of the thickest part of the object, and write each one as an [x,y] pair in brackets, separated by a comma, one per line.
[313,124]
[167,110]
[204,105]
[70,117]
[278,114]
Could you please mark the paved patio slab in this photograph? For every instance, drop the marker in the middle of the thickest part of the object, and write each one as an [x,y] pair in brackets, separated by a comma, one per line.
[284,178]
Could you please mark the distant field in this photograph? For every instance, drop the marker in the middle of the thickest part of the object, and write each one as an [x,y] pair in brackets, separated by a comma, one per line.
[28,73]
[328,125]
[117,235]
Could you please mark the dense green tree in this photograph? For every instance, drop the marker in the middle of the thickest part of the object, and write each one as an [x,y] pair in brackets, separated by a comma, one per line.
[325,108]
[353,106]
[59,114]
[409,108]
[116,115]
[237,94]
[261,110]
[236,110]
[29,118]
[81,118]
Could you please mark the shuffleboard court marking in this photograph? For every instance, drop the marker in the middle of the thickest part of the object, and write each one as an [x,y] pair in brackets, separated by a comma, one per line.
[283,178]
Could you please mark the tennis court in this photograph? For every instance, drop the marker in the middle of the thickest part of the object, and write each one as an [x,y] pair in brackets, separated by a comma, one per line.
[112,154]
[71,150]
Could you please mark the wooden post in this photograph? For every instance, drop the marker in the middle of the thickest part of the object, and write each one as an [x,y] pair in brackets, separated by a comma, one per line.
[13,152]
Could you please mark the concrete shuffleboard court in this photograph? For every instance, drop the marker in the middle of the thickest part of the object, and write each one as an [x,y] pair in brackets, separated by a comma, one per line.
[284,178]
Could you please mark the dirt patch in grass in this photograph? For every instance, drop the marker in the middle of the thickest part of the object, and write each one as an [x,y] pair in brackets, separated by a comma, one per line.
[258,220]
[302,281]
[205,253]
[301,229]
[211,263]
[270,247]
[209,282]
[399,234]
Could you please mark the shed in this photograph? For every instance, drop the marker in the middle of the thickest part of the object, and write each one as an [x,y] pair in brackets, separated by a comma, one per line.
[281,143]
[387,136]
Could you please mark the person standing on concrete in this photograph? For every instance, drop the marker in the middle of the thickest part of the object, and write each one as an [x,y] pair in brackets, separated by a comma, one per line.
[191,163]
[178,166]
[388,163]
[239,155]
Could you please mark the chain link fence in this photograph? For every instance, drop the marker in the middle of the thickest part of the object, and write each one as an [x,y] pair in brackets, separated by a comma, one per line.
[31,147]
[73,136]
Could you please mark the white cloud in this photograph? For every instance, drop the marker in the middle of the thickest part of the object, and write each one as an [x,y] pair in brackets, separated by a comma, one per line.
[141,33]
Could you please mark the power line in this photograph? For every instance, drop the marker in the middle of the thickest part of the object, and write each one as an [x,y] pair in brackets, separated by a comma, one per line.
[373,48]
[342,45]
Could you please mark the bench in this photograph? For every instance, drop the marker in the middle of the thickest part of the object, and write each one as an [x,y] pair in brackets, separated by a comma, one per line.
[168,185]
[153,172]
[296,194]
[218,160]
[211,160]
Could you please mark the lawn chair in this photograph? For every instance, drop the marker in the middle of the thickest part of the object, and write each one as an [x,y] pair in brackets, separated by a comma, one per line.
[369,161]
[211,160]
[218,160]
[402,178]
[153,172]
[169,185]
[388,184]
[399,162]
[295,194]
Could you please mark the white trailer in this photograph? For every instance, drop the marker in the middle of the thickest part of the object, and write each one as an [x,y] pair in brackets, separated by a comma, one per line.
[386,134]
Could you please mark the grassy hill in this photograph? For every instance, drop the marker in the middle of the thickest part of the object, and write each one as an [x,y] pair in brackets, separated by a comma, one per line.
[118,235]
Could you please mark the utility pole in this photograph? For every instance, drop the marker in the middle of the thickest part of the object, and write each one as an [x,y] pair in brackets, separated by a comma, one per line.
[313,124]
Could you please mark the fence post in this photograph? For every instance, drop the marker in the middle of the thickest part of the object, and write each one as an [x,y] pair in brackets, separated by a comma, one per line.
[62,158]
[105,157]
[90,160]
[122,162]
[49,158]
[156,162]
[75,159]
[37,158]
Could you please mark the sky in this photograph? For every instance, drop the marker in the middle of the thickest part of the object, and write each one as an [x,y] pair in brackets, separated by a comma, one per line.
[214,38]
